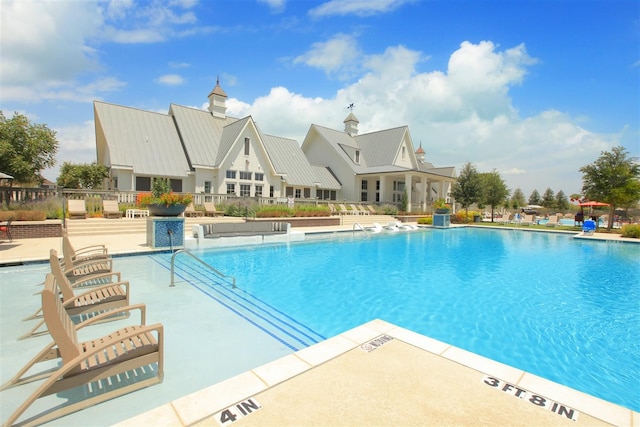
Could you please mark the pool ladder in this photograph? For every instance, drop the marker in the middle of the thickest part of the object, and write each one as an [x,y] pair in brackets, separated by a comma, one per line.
[173,257]
[358,226]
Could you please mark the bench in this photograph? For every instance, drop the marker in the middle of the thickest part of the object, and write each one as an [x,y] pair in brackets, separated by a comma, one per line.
[235,229]
[132,213]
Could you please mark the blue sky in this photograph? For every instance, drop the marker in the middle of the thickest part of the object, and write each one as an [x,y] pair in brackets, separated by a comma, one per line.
[533,89]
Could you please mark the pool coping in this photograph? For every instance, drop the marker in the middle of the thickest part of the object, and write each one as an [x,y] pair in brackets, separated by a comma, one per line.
[206,405]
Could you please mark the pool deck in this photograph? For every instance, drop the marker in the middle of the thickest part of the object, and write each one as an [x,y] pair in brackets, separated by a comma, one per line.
[375,374]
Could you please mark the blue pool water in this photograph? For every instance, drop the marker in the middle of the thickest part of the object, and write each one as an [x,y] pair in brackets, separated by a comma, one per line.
[565,309]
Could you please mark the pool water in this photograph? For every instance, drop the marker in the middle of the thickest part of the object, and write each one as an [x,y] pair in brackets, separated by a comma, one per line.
[562,308]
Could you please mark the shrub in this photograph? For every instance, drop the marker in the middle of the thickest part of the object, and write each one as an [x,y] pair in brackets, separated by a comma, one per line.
[631,230]
[23,215]
[427,220]
[388,210]
[461,217]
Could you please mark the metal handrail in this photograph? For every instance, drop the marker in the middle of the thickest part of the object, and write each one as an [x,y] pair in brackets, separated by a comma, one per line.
[364,230]
[201,262]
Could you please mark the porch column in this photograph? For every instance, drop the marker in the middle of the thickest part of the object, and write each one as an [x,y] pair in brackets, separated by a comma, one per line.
[425,192]
[383,191]
[407,184]
[442,193]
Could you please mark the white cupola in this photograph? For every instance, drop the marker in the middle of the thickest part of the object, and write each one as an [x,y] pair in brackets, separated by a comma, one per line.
[351,125]
[218,101]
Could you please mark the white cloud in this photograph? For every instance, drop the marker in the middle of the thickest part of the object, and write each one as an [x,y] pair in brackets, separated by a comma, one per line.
[77,142]
[33,71]
[461,114]
[170,80]
[276,6]
[355,7]
[338,55]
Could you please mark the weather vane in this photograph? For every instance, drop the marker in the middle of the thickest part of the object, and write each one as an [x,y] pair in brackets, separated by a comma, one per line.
[351,107]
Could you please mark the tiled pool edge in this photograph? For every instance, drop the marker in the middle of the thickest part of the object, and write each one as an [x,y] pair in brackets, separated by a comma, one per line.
[197,406]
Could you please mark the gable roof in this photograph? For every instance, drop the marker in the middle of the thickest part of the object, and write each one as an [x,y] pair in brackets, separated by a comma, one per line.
[144,141]
[288,159]
[201,133]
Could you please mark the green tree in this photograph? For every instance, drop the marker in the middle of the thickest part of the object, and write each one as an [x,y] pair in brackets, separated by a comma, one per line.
[517,199]
[614,178]
[548,199]
[86,175]
[467,189]
[494,190]
[25,149]
[562,202]
[534,198]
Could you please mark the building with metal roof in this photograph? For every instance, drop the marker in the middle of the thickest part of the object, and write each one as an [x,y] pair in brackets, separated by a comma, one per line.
[207,152]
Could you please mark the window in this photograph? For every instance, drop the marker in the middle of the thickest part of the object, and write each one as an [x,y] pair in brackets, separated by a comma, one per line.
[363,196]
[377,185]
[231,174]
[207,186]
[259,176]
[364,185]
[297,193]
[176,185]
[258,190]
[245,190]
[115,182]
[271,191]
[143,183]
[247,144]
[245,175]
[231,189]
[404,149]
[289,192]
[307,193]
[357,156]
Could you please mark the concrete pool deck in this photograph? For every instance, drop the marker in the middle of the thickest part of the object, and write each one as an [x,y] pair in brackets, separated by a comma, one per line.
[376,374]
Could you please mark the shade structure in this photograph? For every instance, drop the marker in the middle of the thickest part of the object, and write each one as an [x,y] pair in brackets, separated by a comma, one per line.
[594,204]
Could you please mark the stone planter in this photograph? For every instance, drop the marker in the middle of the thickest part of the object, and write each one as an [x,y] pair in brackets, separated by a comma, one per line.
[442,211]
[164,210]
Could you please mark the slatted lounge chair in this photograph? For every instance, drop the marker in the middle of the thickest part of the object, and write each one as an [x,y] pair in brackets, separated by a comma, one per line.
[343,210]
[77,268]
[363,210]
[553,221]
[82,302]
[528,220]
[80,255]
[110,209]
[333,209]
[77,209]
[504,219]
[210,210]
[191,211]
[126,360]
[372,210]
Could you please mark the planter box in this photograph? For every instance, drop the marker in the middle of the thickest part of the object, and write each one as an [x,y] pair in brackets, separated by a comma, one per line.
[410,218]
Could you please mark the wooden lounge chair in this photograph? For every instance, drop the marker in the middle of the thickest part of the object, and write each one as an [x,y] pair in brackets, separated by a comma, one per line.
[95,300]
[79,267]
[354,210]
[363,210]
[110,209]
[210,209]
[372,210]
[126,360]
[77,209]
[80,255]
[343,210]
[191,211]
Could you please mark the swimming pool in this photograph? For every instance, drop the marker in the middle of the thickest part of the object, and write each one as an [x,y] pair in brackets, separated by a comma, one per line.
[561,308]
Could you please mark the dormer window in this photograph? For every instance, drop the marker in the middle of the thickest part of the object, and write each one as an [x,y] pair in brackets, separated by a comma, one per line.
[357,157]
[247,144]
